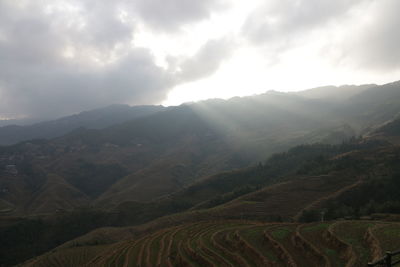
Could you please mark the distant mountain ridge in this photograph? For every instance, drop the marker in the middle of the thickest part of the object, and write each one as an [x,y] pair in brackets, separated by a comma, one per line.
[115,114]
[335,93]
[93,119]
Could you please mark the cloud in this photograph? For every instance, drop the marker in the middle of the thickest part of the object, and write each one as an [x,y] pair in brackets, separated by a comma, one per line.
[52,65]
[286,20]
[207,60]
[358,34]
[374,43]
[55,90]
[61,57]
[170,15]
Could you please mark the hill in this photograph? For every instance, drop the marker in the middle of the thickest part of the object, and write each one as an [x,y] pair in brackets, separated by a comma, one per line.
[335,93]
[374,106]
[155,155]
[293,186]
[196,233]
[94,119]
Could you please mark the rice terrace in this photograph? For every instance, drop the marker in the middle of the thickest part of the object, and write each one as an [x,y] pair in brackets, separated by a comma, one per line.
[240,243]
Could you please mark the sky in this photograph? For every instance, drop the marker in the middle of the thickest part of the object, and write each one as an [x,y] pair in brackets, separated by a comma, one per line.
[60,57]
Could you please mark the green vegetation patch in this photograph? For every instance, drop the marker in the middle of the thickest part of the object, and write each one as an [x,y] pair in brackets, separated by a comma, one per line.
[392,232]
[353,232]
[254,236]
[389,237]
[155,248]
[330,252]
[281,233]
[316,227]
[271,256]
[333,254]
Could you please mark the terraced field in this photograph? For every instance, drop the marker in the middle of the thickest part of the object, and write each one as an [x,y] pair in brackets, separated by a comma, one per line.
[354,234]
[77,256]
[388,237]
[5,206]
[240,243]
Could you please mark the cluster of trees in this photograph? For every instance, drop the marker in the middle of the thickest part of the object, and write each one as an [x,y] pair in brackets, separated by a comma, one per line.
[93,179]
[378,194]
[33,236]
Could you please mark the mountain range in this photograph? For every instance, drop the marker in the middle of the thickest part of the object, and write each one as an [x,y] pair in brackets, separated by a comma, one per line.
[149,152]
[274,156]
[94,119]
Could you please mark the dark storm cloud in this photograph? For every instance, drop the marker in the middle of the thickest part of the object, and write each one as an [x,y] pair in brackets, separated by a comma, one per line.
[61,57]
[55,90]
